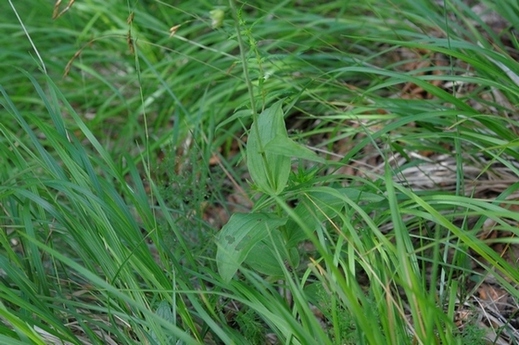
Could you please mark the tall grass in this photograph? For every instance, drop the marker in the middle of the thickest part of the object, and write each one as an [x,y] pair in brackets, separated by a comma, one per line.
[124,152]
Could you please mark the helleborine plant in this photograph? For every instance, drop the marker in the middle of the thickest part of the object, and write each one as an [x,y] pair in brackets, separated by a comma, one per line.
[269,158]
[268,170]
[270,151]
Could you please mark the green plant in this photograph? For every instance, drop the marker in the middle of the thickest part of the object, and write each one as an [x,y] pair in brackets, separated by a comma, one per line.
[380,144]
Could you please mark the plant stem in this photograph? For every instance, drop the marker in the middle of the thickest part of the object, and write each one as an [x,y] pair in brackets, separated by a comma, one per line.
[243,58]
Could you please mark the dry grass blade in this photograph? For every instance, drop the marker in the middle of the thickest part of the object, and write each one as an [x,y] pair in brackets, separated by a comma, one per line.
[57,13]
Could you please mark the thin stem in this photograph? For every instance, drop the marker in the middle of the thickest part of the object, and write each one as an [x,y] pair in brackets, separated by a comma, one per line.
[254,127]
[243,58]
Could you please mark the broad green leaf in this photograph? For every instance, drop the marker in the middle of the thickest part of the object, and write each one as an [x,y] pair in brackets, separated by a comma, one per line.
[312,211]
[165,311]
[320,205]
[282,145]
[264,259]
[268,170]
[239,236]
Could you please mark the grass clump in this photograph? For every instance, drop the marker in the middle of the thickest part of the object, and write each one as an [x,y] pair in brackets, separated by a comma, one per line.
[325,172]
